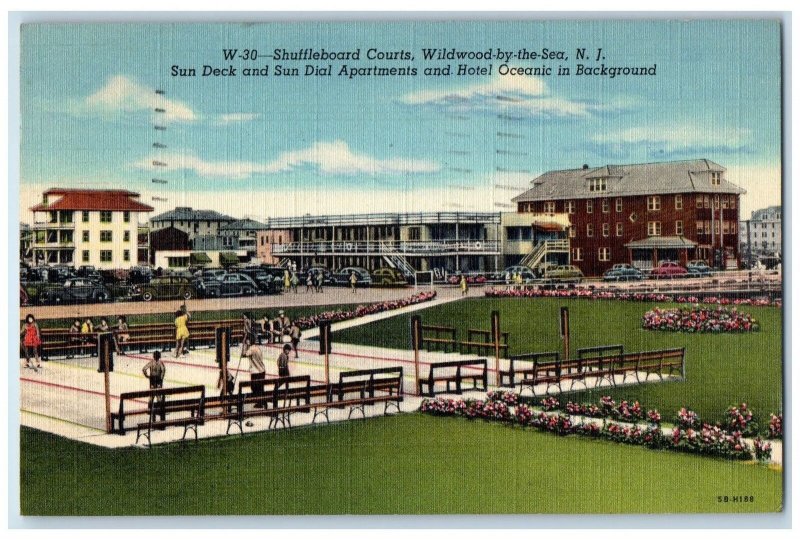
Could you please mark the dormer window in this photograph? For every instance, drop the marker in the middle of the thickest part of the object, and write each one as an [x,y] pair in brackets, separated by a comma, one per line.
[716,178]
[597,184]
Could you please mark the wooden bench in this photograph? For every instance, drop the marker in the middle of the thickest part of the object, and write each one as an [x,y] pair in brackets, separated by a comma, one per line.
[274,401]
[602,362]
[372,386]
[160,406]
[456,373]
[482,340]
[655,362]
[508,377]
[444,336]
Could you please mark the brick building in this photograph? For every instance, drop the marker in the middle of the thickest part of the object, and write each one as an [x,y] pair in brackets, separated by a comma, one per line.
[642,213]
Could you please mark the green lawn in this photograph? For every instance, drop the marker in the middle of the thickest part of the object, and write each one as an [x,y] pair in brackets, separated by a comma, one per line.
[408,464]
[722,369]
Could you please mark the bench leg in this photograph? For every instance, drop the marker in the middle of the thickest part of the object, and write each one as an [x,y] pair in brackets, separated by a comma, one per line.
[323,412]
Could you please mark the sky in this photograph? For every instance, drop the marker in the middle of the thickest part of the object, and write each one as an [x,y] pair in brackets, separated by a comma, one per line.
[270,146]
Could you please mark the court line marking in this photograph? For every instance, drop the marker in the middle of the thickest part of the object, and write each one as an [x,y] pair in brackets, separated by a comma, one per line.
[26,411]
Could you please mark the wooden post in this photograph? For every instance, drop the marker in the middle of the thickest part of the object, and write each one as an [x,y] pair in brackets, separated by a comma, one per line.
[416,338]
[104,352]
[325,347]
[496,340]
[223,355]
[565,331]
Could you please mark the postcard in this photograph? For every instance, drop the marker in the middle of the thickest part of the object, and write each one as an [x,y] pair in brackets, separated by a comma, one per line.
[413,267]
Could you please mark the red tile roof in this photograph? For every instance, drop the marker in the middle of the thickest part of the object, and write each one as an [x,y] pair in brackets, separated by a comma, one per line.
[118,200]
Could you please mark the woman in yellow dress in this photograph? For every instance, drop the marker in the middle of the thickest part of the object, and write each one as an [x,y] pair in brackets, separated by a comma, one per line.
[181,331]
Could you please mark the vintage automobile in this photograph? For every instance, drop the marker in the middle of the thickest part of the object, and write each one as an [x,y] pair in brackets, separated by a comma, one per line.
[698,268]
[165,287]
[388,277]
[342,276]
[230,284]
[508,274]
[565,273]
[266,283]
[327,276]
[622,272]
[668,269]
[75,290]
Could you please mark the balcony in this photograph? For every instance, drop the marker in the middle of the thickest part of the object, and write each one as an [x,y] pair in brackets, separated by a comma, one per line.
[50,225]
[410,247]
[53,245]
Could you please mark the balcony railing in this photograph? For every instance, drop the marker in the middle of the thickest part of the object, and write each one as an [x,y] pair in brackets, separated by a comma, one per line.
[411,247]
[54,245]
[53,225]
[423,218]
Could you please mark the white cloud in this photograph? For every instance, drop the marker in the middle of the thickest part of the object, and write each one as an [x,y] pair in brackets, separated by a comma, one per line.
[329,158]
[122,94]
[516,96]
[668,140]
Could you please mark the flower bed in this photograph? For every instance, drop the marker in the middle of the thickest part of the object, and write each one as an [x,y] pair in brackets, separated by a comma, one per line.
[593,294]
[337,316]
[689,435]
[700,320]
[775,429]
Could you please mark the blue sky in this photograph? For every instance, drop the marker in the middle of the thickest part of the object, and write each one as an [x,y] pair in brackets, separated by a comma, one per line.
[272,146]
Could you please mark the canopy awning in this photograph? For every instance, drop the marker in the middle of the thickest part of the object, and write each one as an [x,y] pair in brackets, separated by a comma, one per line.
[199,258]
[662,242]
[228,257]
[548,226]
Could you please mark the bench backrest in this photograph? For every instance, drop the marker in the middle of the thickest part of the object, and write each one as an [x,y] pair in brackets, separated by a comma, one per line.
[604,351]
[549,357]
[370,380]
[457,364]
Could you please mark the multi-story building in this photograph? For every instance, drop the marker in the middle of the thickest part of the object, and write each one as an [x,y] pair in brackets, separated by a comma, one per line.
[87,227]
[642,213]
[192,222]
[764,227]
[246,232]
[440,241]
[267,239]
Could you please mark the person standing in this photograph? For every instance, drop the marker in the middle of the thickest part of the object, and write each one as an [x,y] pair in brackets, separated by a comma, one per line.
[287,281]
[294,335]
[31,340]
[257,369]
[74,338]
[182,317]
[464,286]
[247,331]
[353,281]
[155,370]
[309,282]
[87,329]
[283,361]
[295,282]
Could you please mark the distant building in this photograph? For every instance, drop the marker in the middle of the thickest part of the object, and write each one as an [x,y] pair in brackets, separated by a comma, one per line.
[246,232]
[87,227]
[167,239]
[642,213]
[192,222]
[267,239]
[765,232]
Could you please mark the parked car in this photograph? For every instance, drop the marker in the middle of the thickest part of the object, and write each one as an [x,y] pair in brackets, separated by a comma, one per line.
[388,276]
[232,284]
[88,272]
[342,276]
[210,273]
[75,290]
[622,272]
[266,283]
[698,268]
[327,276]
[165,287]
[472,279]
[668,269]
[277,274]
[565,273]
[543,268]
[140,274]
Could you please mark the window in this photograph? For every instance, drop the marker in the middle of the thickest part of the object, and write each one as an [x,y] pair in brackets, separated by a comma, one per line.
[572,232]
[126,217]
[550,207]
[678,202]
[653,203]
[606,230]
[716,202]
[699,203]
[699,226]
[105,255]
[619,229]
[606,206]
[726,228]
[126,255]
[733,227]
[569,206]
[716,178]
[105,216]
[589,206]
[679,228]
[733,205]
[577,254]
[604,254]
[126,236]
[724,203]
[619,205]
[716,228]
[597,184]
[85,216]
[653,228]
[85,236]
[105,236]
[413,233]
[589,230]
[85,255]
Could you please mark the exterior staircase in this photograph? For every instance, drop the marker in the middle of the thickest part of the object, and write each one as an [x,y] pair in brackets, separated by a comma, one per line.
[542,249]
[396,260]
